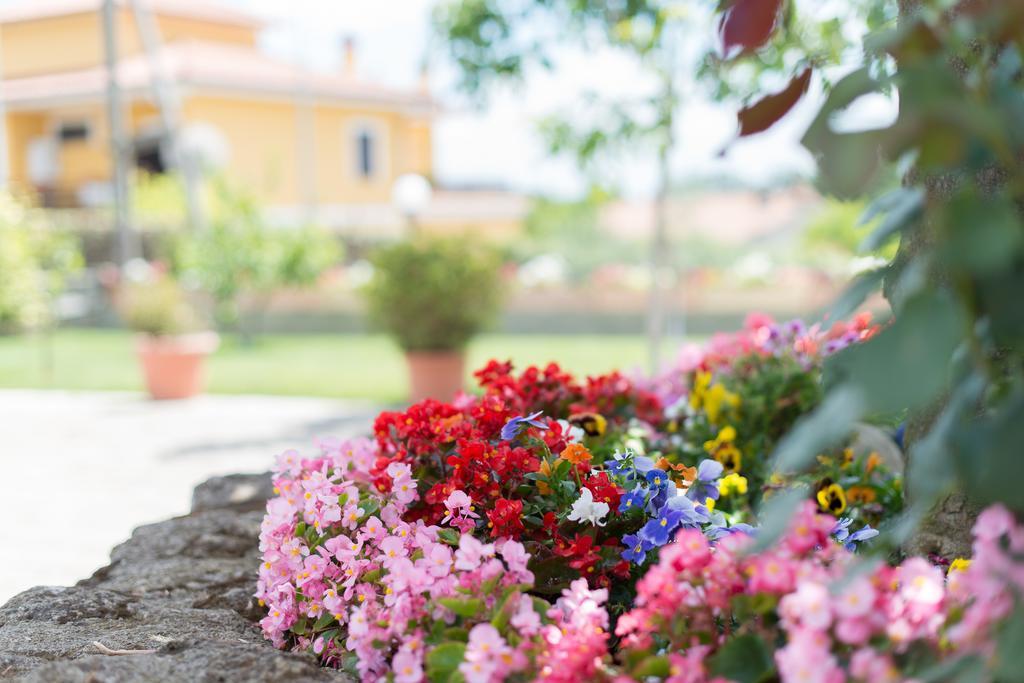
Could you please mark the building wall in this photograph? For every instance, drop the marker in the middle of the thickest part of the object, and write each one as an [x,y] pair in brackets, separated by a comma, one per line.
[31,47]
[290,153]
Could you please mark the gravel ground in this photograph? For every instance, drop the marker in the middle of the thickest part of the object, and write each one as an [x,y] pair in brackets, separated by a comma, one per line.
[82,469]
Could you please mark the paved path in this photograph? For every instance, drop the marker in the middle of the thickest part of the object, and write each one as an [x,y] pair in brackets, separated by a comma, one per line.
[81,470]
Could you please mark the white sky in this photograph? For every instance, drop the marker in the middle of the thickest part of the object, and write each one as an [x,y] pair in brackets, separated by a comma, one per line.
[498,144]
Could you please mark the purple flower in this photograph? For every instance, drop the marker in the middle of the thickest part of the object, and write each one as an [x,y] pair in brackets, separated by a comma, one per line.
[841,532]
[620,464]
[658,479]
[634,500]
[690,514]
[706,484]
[658,530]
[516,425]
[636,548]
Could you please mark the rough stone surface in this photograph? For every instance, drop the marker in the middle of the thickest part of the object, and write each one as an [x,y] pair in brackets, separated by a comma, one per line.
[181,588]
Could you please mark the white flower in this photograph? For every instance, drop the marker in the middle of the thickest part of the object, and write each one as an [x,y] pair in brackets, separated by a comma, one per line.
[586,510]
[572,432]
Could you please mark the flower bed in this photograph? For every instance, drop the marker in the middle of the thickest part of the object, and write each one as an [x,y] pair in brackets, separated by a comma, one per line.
[550,528]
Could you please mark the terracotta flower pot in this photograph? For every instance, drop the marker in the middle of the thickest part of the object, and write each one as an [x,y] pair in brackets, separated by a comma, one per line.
[174,367]
[435,374]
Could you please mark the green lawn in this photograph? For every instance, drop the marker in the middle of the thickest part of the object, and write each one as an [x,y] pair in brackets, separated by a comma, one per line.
[347,366]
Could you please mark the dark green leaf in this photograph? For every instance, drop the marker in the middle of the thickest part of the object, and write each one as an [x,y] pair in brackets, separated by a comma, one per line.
[854,295]
[904,206]
[989,455]
[907,364]
[744,659]
[468,607]
[444,660]
[820,430]
[775,514]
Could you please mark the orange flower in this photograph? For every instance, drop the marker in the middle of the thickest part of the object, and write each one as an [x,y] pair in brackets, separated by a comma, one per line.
[858,495]
[687,474]
[874,460]
[576,453]
[545,469]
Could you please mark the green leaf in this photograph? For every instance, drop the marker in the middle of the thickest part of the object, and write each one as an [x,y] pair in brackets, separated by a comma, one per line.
[902,208]
[931,467]
[468,607]
[371,576]
[982,234]
[744,659]
[847,162]
[775,514]
[443,661]
[1009,666]
[456,633]
[449,536]
[506,610]
[652,666]
[906,365]
[989,458]
[854,295]
[323,622]
[820,430]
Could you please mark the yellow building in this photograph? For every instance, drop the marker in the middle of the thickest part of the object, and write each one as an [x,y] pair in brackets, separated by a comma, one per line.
[297,138]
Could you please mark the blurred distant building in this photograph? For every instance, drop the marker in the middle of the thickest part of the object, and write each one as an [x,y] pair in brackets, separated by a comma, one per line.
[309,144]
[730,216]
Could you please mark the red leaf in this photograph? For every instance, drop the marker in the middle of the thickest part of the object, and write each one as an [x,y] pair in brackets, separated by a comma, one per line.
[748,24]
[763,114]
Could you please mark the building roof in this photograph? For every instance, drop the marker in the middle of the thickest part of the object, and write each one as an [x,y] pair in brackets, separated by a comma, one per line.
[198,64]
[206,10]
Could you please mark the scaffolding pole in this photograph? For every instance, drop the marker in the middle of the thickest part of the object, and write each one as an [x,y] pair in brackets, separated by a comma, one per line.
[126,247]
[169,106]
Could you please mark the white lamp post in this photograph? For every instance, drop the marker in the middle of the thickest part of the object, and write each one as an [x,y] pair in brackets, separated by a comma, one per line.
[410,195]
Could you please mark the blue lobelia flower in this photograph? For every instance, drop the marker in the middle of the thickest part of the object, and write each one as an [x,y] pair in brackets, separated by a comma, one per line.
[516,425]
[634,500]
[636,548]
[658,530]
[706,484]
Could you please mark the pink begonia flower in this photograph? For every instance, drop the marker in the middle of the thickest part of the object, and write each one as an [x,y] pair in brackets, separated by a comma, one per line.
[399,470]
[471,552]
[487,655]
[438,560]
[404,490]
[288,462]
[526,620]
[854,631]
[350,516]
[869,665]
[921,582]
[373,529]
[407,667]
[515,555]
[392,548]
[808,606]
[857,598]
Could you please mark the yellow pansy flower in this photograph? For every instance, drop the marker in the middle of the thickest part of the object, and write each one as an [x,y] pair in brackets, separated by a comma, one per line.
[732,483]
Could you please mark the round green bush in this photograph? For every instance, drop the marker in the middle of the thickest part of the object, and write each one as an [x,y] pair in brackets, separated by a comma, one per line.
[434,293]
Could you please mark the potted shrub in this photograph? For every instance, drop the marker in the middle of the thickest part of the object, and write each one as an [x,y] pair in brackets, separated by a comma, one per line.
[172,344]
[433,294]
